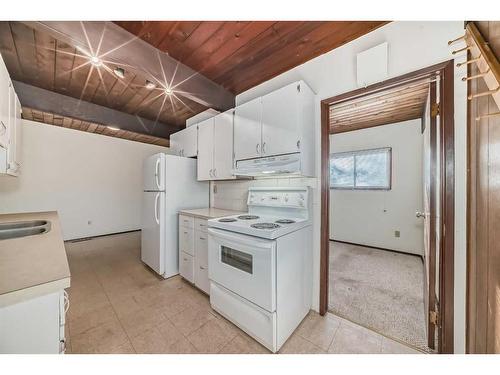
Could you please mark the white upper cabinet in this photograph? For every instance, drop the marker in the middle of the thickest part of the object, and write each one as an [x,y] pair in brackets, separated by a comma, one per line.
[248,130]
[215,147]
[15,134]
[280,121]
[206,150]
[4,105]
[10,125]
[223,146]
[185,142]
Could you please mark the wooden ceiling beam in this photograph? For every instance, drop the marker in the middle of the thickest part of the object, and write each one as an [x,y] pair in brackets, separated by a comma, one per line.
[113,43]
[52,102]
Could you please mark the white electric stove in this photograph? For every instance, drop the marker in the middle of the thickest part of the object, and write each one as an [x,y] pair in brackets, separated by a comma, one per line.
[260,264]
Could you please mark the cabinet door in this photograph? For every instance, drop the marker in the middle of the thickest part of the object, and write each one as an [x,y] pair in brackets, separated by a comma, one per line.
[190,148]
[186,240]
[280,118]
[4,105]
[19,132]
[186,266]
[201,261]
[14,129]
[176,142]
[248,130]
[205,150]
[223,146]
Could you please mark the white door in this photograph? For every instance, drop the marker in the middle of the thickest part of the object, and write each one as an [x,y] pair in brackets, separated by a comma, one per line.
[246,265]
[206,150]
[153,171]
[153,219]
[248,130]
[223,145]
[280,119]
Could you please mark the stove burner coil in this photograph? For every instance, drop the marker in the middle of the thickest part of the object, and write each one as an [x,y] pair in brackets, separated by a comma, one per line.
[285,221]
[227,220]
[248,217]
[265,226]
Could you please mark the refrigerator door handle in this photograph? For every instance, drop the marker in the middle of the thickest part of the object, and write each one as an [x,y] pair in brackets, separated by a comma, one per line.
[156,208]
[157,172]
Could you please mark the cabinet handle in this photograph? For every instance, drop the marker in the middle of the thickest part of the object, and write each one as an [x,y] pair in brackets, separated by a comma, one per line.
[202,268]
[215,172]
[211,172]
[298,144]
[185,259]
[257,148]
[4,127]
[185,232]
[264,148]
[201,238]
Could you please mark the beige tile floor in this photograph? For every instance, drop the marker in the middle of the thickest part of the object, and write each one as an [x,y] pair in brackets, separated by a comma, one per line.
[117,305]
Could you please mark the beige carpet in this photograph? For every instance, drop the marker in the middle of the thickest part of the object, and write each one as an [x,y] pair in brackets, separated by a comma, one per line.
[379,289]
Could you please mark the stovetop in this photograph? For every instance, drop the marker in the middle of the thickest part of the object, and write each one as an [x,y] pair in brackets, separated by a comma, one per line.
[263,226]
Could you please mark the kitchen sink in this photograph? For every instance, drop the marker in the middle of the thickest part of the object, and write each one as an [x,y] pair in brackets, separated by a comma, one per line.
[18,229]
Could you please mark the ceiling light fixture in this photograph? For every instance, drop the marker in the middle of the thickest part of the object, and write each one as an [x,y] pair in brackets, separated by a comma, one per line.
[114,128]
[120,72]
[96,61]
[168,91]
[150,85]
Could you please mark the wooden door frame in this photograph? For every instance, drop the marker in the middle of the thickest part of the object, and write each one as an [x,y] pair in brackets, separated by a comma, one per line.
[447,157]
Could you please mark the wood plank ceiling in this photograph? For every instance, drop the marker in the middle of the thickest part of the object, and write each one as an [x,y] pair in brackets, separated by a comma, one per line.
[241,54]
[40,60]
[89,127]
[402,103]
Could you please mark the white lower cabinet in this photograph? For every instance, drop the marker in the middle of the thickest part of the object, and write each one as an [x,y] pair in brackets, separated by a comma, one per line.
[201,262]
[193,251]
[35,326]
[186,266]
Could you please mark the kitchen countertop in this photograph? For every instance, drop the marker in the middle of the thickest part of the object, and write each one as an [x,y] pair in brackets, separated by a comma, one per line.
[35,265]
[209,213]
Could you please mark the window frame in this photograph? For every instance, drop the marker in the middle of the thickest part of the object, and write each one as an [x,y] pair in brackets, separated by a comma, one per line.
[358,152]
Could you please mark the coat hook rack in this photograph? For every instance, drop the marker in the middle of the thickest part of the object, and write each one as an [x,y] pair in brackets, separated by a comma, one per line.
[495,114]
[486,62]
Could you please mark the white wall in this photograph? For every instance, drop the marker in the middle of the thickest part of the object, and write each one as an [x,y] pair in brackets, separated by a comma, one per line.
[412,46]
[370,217]
[81,175]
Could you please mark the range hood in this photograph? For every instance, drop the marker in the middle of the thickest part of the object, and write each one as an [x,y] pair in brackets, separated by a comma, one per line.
[287,164]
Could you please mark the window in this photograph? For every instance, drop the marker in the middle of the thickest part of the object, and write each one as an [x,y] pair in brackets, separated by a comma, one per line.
[366,169]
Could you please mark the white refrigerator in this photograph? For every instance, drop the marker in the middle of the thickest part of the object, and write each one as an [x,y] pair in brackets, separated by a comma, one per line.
[170,185]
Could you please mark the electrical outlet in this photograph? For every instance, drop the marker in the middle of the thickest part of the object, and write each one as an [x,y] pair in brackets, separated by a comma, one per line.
[397,233]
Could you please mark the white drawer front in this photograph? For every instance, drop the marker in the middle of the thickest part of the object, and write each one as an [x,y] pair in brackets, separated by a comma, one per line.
[186,240]
[186,221]
[257,322]
[200,224]
[186,266]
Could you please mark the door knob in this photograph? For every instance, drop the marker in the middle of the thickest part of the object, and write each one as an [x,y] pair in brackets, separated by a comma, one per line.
[420,214]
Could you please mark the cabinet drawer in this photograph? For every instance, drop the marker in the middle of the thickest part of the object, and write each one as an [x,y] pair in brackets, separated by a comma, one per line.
[200,224]
[186,266]
[186,221]
[201,248]
[186,240]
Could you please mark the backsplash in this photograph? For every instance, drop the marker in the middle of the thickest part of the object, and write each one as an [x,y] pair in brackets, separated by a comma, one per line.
[232,194]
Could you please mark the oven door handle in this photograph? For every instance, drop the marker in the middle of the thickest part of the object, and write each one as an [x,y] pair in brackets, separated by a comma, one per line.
[242,239]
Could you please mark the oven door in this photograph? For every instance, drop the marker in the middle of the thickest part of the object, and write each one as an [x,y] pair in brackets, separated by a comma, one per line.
[245,265]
